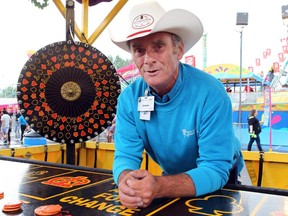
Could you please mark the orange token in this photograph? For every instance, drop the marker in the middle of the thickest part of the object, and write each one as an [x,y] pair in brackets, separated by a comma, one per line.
[11,209]
[1,195]
[13,204]
[48,210]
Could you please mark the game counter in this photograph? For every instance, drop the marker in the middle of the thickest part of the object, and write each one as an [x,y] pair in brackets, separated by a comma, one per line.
[83,191]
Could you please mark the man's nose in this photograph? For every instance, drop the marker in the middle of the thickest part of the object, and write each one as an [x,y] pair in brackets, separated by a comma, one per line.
[149,56]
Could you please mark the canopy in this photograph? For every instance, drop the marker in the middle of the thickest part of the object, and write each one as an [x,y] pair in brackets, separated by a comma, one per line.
[229,73]
[10,104]
[128,74]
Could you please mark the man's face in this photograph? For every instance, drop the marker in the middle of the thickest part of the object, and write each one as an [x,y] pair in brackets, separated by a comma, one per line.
[157,58]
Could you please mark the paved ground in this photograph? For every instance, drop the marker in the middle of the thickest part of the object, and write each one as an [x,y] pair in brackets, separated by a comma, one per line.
[276,148]
[15,141]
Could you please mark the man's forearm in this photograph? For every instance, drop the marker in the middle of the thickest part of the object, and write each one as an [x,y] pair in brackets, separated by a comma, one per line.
[180,185]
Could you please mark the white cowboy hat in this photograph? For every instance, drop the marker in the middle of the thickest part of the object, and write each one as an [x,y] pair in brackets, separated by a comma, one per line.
[149,17]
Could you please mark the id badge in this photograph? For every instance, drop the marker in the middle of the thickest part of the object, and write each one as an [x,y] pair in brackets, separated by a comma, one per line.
[146,104]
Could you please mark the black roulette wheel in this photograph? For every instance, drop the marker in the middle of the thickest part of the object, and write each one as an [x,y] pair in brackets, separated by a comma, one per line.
[67,92]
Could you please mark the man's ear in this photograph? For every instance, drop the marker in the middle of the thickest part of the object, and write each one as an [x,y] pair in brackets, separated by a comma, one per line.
[180,50]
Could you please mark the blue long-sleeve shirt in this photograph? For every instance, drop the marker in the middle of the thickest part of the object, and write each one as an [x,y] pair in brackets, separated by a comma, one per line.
[22,120]
[191,133]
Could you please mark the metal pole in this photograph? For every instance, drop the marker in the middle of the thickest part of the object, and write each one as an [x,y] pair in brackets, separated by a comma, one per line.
[240,82]
[70,147]
[70,20]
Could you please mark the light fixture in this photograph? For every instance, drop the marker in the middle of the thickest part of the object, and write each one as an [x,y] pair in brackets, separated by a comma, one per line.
[285,14]
[241,21]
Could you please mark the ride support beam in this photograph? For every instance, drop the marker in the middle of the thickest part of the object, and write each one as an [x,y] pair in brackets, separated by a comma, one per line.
[106,21]
[85,13]
[101,27]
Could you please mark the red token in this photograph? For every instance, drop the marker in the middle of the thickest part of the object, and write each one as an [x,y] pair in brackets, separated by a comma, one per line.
[48,210]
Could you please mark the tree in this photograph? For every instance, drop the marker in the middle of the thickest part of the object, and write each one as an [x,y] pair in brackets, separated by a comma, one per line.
[118,62]
[40,4]
[8,92]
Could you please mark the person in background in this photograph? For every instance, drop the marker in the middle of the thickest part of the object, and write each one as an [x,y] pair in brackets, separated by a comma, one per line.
[254,129]
[179,114]
[10,129]
[1,133]
[5,125]
[111,130]
[23,126]
[108,134]
[228,89]
[17,124]
[271,74]
[248,89]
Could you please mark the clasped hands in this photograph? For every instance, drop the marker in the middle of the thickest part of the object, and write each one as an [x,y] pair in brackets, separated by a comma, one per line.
[137,189]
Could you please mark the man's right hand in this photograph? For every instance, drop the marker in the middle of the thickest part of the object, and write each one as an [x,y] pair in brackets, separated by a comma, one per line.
[126,193]
[137,189]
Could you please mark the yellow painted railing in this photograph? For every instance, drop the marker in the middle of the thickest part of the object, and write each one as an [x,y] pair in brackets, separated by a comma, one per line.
[89,154]
[273,171]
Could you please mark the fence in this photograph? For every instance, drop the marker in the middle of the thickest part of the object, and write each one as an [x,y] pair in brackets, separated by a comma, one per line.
[275,137]
[241,131]
[246,98]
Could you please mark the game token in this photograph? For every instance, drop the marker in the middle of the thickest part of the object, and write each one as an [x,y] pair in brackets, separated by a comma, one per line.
[12,206]
[9,210]
[1,194]
[48,210]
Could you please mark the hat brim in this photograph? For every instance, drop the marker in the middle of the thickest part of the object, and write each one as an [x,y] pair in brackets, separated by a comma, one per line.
[178,21]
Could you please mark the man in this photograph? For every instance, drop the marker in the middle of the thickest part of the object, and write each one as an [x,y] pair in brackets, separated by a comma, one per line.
[180,115]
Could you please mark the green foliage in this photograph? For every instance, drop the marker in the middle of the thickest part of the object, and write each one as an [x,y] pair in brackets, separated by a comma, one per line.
[39,4]
[8,92]
[118,62]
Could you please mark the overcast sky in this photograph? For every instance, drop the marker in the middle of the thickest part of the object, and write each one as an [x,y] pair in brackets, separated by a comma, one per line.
[25,27]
